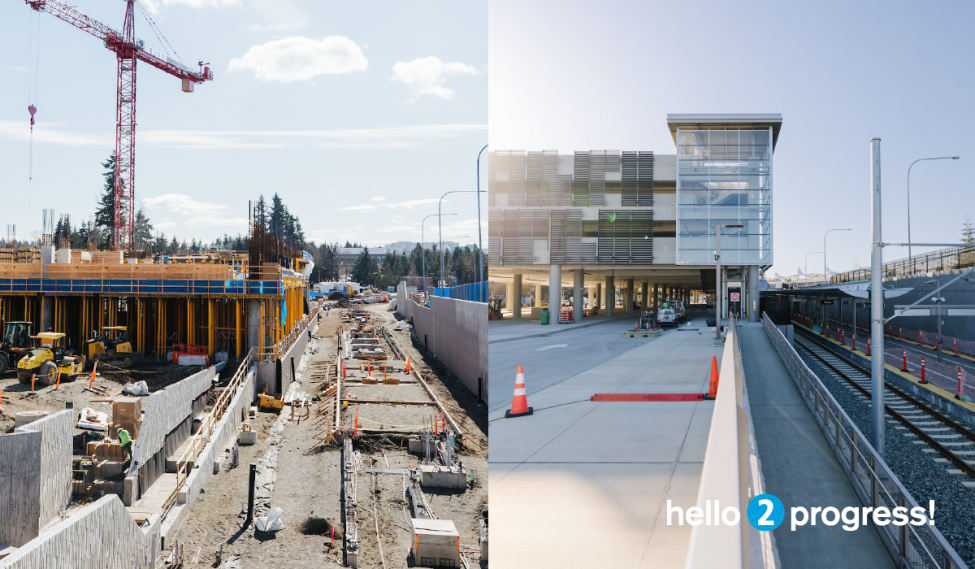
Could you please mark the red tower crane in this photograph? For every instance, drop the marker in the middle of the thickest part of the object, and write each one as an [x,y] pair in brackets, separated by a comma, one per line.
[128,50]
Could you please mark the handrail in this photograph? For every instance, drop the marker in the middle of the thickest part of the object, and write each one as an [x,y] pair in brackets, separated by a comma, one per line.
[873,481]
[940,260]
[726,474]
[199,441]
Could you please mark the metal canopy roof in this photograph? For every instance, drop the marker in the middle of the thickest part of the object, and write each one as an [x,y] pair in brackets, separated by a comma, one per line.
[711,120]
[856,289]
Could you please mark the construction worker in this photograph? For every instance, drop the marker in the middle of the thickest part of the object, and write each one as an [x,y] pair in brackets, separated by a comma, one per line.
[126,440]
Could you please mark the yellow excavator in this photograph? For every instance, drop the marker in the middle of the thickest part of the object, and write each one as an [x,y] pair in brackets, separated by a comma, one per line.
[113,348]
[49,359]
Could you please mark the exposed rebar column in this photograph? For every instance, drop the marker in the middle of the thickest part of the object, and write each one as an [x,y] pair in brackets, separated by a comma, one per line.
[876,304]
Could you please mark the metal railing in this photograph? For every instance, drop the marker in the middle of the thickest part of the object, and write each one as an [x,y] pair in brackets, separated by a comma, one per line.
[207,426]
[940,260]
[872,480]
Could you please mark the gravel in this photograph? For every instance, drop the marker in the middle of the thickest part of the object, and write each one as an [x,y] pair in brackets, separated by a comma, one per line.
[924,478]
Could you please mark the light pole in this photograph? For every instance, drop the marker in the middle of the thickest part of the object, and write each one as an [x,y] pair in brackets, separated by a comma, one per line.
[717,279]
[423,249]
[825,275]
[480,248]
[937,285]
[807,263]
[909,199]
[439,203]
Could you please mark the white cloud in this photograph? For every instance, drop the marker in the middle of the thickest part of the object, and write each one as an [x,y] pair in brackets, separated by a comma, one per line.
[274,27]
[300,59]
[195,213]
[153,6]
[406,205]
[427,76]
[347,139]
[377,199]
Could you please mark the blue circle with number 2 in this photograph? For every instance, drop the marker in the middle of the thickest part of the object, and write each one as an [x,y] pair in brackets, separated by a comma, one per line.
[765,512]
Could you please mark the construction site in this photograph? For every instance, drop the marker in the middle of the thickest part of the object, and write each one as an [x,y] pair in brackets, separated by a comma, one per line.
[261,425]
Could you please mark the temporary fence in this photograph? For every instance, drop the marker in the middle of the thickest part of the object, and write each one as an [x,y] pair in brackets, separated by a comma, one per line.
[954,379]
[873,481]
[474,292]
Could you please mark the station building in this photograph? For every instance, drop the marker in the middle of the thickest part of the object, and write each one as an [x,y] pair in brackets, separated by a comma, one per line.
[638,225]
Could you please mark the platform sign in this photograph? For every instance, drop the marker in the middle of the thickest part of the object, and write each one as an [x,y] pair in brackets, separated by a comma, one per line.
[735,297]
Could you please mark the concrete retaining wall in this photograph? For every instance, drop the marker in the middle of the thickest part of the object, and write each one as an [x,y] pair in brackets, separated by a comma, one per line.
[289,362]
[223,434]
[455,332]
[100,536]
[20,487]
[56,451]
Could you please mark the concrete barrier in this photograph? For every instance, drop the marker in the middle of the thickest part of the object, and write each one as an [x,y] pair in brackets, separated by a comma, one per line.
[20,487]
[100,536]
[56,452]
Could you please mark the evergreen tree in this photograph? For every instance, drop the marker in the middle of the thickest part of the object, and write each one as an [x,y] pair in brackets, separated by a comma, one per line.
[967,231]
[362,267]
[143,231]
[105,210]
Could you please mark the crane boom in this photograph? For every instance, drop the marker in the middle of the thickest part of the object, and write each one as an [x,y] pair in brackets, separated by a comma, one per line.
[128,52]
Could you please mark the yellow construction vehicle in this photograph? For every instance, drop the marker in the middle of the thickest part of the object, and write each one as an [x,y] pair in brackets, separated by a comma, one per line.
[48,359]
[113,348]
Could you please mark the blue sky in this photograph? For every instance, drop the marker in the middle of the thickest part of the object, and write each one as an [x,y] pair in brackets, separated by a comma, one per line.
[361,115]
[572,75]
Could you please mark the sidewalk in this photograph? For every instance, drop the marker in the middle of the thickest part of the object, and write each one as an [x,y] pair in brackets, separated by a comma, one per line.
[516,329]
[585,484]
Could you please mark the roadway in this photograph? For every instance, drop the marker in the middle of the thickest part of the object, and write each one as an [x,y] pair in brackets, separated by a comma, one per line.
[565,352]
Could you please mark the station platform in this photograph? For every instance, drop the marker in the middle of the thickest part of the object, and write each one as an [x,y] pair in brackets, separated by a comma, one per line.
[799,466]
[585,484]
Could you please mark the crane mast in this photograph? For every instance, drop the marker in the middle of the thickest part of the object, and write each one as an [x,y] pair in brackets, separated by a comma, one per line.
[128,51]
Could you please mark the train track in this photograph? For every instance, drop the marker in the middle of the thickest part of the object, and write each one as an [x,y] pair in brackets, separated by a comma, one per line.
[944,436]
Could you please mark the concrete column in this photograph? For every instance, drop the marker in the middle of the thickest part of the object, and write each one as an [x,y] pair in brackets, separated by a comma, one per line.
[554,292]
[577,302]
[610,296]
[643,295]
[597,301]
[538,295]
[628,297]
[253,324]
[516,304]
[509,295]
[753,295]
[47,313]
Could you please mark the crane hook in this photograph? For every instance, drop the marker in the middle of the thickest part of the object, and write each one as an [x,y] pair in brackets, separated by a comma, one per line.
[32,109]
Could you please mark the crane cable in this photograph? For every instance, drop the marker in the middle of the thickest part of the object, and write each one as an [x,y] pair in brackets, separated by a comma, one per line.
[33,72]
[158,33]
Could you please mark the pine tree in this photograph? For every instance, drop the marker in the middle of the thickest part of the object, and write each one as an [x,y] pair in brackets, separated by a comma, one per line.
[363,267]
[143,231]
[967,231]
[105,210]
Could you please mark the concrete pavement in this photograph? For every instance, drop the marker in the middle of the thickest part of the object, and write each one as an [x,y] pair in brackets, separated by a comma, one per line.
[584,484]
[799,466]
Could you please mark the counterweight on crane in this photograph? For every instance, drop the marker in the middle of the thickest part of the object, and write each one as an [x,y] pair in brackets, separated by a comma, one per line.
[128,50]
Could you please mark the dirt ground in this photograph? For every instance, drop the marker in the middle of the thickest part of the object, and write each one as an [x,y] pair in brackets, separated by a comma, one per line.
[17,398]
[307,482]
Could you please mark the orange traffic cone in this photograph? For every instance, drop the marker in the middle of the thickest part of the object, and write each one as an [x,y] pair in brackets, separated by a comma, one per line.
[713,389]
[519,404]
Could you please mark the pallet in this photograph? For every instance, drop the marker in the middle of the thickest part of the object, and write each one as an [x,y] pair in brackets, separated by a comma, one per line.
[641,333]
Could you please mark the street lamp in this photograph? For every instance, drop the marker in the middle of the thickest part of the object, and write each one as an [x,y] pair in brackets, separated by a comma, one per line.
[909,199]
[480,247]
[423,249]
[807,263]
[825,277]
[439,203]
[717,279]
